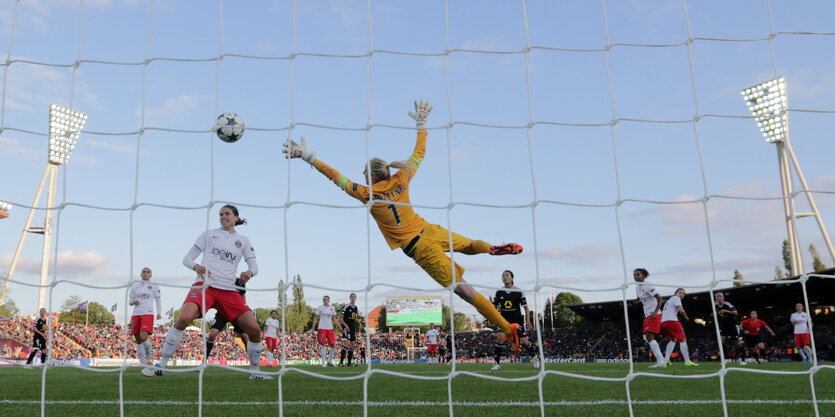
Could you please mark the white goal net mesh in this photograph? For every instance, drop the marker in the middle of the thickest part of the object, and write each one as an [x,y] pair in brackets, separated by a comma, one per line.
[602,136]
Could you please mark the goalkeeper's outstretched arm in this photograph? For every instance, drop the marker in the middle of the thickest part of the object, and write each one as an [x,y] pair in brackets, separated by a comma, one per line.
[299,150]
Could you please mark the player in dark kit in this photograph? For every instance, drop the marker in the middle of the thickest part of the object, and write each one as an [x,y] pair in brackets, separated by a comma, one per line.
[349,319]
[728,331]
[510,301]
[39,338]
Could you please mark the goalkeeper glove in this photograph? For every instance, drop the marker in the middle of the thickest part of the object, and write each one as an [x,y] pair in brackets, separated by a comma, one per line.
[295,150]
[422,109]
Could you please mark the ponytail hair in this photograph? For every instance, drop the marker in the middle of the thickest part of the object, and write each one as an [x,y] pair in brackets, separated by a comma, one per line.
[235,212]
[379,168]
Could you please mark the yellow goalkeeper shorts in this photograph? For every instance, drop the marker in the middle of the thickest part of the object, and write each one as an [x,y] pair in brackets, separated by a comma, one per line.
[429,254]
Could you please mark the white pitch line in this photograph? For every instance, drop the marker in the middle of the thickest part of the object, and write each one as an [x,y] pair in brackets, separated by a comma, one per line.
[426,403]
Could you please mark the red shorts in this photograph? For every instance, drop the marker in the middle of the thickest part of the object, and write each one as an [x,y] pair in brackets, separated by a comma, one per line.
[431,349]
[144,323]
[652,325]
[326,337]
[228,303]
[271,342]
[802,339]
[673,330]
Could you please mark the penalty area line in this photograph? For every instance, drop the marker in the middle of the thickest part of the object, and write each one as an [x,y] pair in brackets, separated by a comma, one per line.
[421,403]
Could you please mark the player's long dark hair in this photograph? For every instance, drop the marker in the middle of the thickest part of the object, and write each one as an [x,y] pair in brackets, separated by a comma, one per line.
[235,212]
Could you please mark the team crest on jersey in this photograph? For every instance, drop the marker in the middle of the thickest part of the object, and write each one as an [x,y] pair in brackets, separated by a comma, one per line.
[150,287]
[237,243]
[192,295]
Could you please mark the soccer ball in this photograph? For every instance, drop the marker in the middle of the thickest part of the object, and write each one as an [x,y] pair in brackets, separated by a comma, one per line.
[229,127]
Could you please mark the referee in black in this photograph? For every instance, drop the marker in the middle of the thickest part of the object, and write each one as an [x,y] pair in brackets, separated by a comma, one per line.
[39,338]
[510,301]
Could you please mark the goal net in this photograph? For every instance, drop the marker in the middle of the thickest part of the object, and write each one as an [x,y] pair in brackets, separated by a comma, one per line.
[602,136]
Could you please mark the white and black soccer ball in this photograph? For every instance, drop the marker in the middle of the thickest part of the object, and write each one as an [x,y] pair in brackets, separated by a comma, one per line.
[229,127]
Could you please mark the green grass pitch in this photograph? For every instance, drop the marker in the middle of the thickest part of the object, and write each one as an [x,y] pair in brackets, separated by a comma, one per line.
[79,392]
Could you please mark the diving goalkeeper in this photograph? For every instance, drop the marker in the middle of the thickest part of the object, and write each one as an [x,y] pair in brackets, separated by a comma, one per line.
[404,229]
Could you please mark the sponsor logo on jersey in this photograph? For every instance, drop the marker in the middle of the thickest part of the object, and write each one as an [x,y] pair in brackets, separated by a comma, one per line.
[224,254]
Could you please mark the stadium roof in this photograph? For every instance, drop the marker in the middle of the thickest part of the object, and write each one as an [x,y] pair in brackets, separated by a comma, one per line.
[778,294]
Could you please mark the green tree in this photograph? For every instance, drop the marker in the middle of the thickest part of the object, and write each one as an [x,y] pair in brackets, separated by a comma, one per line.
[98,314]
[787,258]
[817,264]
[460,320]
[9,308]
[382,327]
[564,317]
[299,314]
[778,272]
[738,278]
[71,303]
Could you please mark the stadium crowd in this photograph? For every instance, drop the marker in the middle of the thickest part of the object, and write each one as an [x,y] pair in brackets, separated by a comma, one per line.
[108,341]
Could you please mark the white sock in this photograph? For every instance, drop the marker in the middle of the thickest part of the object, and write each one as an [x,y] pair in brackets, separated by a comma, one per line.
[270,357]
[149,350]
[670,348]
[802,352]
[253,352]
[808,350]
[330,354]
[172,340]
[140,353]
[656,350]
[322,352]
[685,352]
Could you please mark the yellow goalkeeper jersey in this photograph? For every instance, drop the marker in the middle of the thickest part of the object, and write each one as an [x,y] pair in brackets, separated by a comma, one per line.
[394,214]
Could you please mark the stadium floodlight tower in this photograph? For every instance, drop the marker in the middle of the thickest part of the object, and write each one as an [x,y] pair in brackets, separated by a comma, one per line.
[769,103]
[65,126]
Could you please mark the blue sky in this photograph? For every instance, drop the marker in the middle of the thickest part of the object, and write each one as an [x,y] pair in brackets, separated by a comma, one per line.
[522,145]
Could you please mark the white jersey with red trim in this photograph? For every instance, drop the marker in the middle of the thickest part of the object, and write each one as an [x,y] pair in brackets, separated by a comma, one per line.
[670,310]
[432,337]
[145,293]
[222,252]
[326,315]
[272,326]
[646,293]
[802,320]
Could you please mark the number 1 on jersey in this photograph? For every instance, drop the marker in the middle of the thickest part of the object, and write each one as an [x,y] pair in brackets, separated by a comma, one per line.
[393,209]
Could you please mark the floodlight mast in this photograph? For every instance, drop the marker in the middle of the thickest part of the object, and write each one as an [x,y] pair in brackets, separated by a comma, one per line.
[65,127]
[768,103]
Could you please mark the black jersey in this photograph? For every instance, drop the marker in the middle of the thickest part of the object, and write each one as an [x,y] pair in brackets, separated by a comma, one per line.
[350,315]
[40,324]
[726,320]
[509,302]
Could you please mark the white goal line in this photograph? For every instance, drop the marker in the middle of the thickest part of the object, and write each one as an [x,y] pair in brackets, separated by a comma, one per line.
[424,403]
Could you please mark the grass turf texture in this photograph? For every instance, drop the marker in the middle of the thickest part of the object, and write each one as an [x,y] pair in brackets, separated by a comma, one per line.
[77,392]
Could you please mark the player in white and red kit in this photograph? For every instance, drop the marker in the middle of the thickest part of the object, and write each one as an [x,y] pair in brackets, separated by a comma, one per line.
[672,329]
[432,344]
[222,249]
[142,296]
[651,301]
[802,322]
[271,326]
[324,318]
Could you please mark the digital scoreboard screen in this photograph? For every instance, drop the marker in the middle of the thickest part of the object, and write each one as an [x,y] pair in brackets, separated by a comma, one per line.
[413,310]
